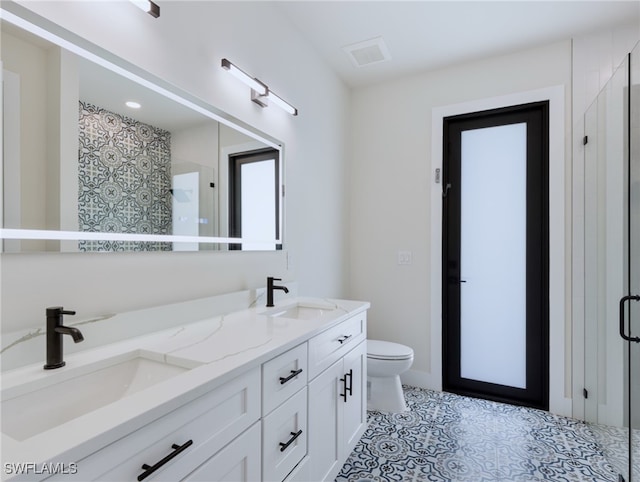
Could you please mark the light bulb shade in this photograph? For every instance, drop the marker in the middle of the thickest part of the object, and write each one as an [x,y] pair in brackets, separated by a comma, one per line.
[260,93]
[255,84]
[283,104]
[147,6]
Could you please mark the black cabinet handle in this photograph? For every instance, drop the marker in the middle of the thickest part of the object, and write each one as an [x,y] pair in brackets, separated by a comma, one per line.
[344,338]
[294,435]
[623,300]
[294,373]
[348,390]
[150,469]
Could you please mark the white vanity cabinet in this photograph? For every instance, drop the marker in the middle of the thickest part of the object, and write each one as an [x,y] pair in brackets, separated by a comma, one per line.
[337,397]
[293,416]
[185,439]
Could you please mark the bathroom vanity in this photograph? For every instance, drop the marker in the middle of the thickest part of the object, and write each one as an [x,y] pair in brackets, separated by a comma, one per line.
[256,394]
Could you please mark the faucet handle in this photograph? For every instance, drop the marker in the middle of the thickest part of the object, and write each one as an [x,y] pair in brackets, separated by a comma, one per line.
[59,310]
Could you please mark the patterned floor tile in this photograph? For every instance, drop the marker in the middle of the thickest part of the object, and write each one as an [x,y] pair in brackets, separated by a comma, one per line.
[446,437]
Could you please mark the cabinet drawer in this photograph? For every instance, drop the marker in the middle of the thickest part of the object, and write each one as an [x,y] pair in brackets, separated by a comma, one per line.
[284,435]
[330,345]
[283,376]
[209,422]
[301,472]
[237,462]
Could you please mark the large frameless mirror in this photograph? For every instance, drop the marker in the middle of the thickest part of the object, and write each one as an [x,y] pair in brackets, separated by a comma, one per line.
[100,156]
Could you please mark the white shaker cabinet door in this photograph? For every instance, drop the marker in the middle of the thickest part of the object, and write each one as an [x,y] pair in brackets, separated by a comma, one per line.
[237,462]
[325,422]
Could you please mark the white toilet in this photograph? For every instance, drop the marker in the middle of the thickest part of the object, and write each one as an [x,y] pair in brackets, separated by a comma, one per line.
[385,362]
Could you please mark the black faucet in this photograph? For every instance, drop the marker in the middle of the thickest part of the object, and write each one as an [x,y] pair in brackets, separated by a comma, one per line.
[55,330]
[271,287]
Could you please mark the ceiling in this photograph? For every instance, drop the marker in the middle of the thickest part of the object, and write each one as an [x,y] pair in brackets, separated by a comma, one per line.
[427,35]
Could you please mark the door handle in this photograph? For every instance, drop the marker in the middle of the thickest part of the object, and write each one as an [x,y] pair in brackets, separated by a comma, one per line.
[454,279]
[350,387]
[623,300]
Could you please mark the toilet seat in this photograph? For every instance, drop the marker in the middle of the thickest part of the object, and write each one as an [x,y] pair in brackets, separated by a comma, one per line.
[386,350]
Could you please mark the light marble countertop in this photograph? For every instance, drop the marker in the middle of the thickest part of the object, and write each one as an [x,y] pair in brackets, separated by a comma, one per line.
[218,348]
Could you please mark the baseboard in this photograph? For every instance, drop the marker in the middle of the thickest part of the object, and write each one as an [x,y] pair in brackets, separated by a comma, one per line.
[420,379]
[415,378]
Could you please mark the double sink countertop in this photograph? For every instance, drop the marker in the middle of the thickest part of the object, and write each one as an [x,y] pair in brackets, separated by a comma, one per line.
[107,392]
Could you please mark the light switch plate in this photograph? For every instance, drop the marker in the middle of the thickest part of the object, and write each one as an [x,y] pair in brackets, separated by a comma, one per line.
[404,257]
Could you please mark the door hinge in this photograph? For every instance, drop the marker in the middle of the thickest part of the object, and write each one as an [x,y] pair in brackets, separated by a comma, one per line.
[585,140]
[283,190]
[585,393]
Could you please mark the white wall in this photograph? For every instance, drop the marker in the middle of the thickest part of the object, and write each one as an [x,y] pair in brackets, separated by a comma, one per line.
[195,149]
[185,46]
[31,64]
[392,187]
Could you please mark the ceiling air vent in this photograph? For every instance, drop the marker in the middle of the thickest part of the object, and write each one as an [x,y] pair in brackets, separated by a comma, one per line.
[368,52]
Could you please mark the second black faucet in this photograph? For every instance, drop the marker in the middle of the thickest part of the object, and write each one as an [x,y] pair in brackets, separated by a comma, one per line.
[271,287]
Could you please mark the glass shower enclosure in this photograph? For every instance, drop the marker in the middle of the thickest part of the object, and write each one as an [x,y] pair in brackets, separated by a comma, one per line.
[612,268]
[634,263]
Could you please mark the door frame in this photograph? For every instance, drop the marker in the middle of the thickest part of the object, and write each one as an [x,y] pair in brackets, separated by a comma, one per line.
[559,274]
[535,393]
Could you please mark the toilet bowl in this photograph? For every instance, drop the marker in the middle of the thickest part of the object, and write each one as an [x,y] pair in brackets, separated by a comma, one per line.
[385,362]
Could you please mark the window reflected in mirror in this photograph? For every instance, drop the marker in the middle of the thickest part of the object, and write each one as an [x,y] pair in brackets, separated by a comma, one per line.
[254,198]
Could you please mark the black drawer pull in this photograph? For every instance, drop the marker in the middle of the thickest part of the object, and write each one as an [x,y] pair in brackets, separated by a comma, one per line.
[294,435]
[344,338]
[294,373]
[150,469]
[348,390]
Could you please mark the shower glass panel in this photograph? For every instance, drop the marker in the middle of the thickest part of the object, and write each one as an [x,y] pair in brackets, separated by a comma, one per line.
[591,261]
[634,261]
[612,267]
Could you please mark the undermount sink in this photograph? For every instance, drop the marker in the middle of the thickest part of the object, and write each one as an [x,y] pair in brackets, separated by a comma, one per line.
[302,310]
[65,395]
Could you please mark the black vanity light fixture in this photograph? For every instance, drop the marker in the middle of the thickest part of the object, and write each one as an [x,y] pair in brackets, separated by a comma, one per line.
[260,92]
[148,6]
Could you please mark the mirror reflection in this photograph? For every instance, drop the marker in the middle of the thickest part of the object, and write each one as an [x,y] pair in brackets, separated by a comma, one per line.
[89,150]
